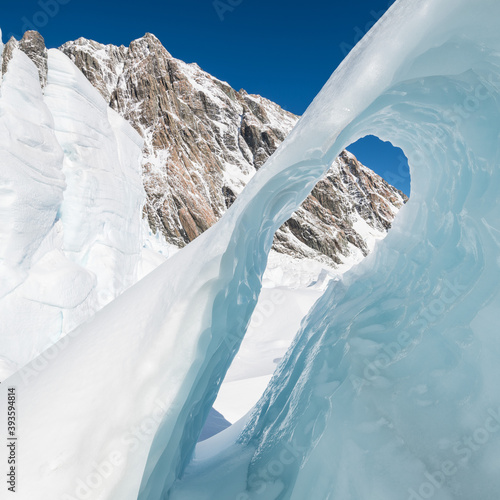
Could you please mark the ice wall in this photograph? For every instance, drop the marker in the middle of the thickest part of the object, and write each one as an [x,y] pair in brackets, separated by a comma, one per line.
[389,390]
[70,206]
[31,190]
[101,211]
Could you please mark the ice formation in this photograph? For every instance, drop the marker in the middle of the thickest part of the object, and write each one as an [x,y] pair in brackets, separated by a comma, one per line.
[389,389]
[71,193]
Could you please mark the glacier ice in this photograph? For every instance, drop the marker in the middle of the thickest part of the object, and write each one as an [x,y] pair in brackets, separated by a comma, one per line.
[70,194]
[389,389]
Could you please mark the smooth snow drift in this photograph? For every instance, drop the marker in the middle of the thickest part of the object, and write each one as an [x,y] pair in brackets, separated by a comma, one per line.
[389,390]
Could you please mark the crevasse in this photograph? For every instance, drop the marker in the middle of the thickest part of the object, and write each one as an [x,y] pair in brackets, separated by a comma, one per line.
[389,389]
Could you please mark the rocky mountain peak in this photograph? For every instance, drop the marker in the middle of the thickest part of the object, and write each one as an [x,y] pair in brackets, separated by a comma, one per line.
[148,46]
[33,45]
[150,41]
[204,141]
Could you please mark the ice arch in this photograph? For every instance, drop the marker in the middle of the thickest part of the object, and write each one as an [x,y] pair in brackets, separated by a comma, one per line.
[387,390]
[393,368]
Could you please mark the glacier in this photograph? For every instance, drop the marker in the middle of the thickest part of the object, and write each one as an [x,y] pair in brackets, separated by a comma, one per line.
[388,390]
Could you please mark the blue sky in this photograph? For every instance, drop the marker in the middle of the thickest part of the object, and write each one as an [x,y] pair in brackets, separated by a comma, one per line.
[282,49]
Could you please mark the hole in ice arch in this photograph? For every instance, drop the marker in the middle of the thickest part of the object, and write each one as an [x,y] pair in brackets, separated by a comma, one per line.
[384,159]
[348,211]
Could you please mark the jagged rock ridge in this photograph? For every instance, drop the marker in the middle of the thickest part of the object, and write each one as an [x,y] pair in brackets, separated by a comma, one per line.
[33,45]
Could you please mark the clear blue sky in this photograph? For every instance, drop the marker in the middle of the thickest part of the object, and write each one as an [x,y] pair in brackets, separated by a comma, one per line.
[282,49]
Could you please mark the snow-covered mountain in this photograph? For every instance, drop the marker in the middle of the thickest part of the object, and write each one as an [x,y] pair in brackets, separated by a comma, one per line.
[204,141]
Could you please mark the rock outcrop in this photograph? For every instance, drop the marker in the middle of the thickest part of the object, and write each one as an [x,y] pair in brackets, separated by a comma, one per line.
[33,45]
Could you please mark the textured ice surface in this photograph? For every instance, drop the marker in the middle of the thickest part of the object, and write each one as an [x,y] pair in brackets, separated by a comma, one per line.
[389,390]
[70,199]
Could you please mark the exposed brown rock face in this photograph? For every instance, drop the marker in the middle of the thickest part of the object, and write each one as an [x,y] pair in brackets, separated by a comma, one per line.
[204,141]
[33,45]
[324,223]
